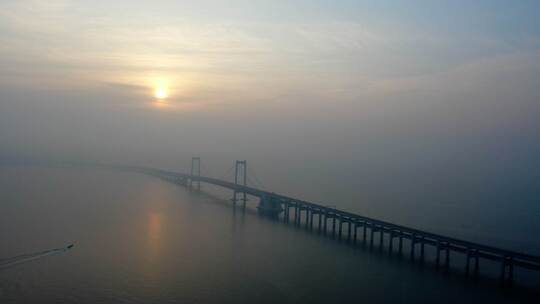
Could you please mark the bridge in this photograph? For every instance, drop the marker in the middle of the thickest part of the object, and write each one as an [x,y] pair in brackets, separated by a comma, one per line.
[354,228]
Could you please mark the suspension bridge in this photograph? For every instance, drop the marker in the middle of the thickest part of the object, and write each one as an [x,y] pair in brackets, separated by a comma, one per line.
[354,228]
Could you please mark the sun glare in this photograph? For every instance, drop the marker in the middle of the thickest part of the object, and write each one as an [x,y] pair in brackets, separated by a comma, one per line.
[161,93]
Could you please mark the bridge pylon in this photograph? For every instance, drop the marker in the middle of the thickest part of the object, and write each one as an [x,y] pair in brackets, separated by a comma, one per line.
[240,179]
[195,172]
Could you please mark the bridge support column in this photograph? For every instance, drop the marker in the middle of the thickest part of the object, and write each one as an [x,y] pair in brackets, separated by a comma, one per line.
[180,181]
[413,244]
[286,212]
[307,218]
[447,257]
[510,271]
[325,228]
[195,172]
[438,254]
[288,217]
[340,228]
[400,244]
[319,228]
[467,262]
[355,233]
[476,265]
[371,239]
[503,270]
[297,215]
[507,263]
[364,233]
[334,226]
[391,243]
[291,214]
[349,231]
[472,254]
[422,249]
[311,215]
[381,238]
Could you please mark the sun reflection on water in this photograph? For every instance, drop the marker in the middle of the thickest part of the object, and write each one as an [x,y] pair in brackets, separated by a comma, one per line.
[154,235]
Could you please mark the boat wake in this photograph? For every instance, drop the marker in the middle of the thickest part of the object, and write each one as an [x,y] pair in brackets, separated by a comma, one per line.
[24,258]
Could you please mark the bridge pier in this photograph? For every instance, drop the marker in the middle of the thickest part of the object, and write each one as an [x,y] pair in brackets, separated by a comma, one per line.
[472,254]
[290,216]
[503,270]
[476,265]
[307,218]
[319,221]
[381,237]
[507,268]
[364,233]
[290,207]
[511,272]
[391,243]
[467,261]
[422,249]
[356,226]
[340,228]
[181,181]
[325,228]
[297,215]
[334,226]
[447,257]
[400,244]
[300,209]
[413,244]
[438,254]
[355,233]
[372,234]
[270,206]
[348,232]
[294,212]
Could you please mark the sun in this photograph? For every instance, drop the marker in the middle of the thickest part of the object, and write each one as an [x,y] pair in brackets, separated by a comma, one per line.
[161,93]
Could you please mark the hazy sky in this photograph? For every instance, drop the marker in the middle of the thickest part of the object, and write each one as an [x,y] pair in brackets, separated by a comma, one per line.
[211,53]
[439,90]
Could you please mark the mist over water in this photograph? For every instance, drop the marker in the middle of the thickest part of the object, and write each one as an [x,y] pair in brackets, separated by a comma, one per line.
[139,239]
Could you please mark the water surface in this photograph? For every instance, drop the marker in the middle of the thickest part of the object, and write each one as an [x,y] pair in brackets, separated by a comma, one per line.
[142,240]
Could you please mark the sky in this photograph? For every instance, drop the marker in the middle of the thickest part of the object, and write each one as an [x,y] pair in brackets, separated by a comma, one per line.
[321,96]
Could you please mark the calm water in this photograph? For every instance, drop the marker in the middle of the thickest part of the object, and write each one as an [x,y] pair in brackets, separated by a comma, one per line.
[141,240]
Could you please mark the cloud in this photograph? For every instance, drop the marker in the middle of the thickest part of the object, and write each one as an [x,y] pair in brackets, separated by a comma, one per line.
[68,45]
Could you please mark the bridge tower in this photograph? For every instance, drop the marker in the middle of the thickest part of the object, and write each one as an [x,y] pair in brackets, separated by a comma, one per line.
[240,178]
[195,172]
